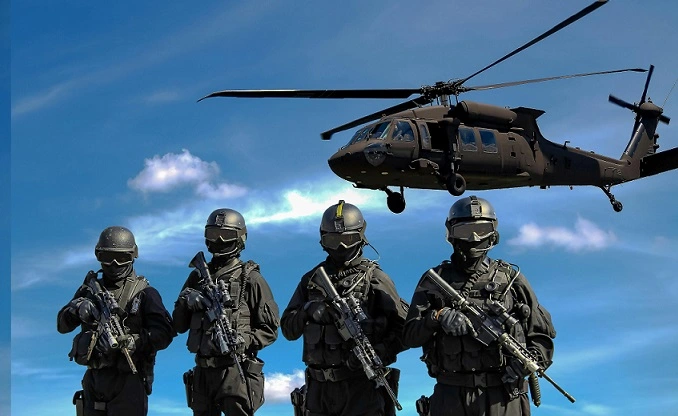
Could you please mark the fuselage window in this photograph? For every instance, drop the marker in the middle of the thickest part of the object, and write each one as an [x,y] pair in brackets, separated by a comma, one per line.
[468,140]
[402,131]
[489,141]
[425,136]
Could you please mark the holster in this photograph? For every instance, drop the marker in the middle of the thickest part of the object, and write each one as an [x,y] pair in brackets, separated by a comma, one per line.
[78,401]
[188,384]
[423,405]
[298,397]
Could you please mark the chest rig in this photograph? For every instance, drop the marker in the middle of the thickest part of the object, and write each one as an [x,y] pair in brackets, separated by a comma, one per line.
[445,353]
[232,281]
[323,346]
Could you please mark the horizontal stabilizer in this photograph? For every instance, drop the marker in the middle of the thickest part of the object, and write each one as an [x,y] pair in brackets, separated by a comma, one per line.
[659,162]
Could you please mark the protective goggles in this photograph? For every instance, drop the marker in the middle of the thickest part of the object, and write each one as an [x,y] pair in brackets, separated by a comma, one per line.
[335,240]
[120,258]
[470,231]
[215,234]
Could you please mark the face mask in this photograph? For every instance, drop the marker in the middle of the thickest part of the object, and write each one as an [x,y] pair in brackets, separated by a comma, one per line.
[344,256]
[115,272]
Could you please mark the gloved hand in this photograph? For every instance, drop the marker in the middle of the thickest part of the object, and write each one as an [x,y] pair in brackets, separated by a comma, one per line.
[240,344]
[130,341]
[455,323]
[195,301]
[514,371]
[84,309]
[320,312]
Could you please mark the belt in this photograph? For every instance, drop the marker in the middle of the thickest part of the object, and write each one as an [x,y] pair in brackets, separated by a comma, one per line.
[471,379]
[333,374]
[214,362]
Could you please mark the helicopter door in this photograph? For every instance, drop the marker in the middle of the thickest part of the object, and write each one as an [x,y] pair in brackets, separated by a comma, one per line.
[490,151]
[402,146]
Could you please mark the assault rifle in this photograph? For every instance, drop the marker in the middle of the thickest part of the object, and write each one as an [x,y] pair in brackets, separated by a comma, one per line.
[108,324]
[491,328]
[224,336]
[350,316]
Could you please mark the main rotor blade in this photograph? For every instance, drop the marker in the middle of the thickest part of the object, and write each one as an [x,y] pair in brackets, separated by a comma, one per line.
[407,105]
[553,30]
[336,94]
[531,81]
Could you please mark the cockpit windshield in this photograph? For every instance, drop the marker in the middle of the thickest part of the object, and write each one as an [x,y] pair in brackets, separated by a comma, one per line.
[374,131]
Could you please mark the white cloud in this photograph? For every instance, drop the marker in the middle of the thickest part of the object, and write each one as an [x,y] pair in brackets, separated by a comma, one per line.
[585,235]
[164,173]
[279,386]
[161,97]
[223,190]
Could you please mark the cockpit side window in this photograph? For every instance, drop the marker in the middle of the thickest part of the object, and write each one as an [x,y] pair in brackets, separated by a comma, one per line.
[468,140]
[489,141]
[402,131]
[379,130]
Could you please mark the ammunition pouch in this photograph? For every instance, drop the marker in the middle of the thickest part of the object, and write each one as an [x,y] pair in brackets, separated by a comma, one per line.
[81,343]
[423,405]
[78,402]
[393,379]
[298,397]
[188,384]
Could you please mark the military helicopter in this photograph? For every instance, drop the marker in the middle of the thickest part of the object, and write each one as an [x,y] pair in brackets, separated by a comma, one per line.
[477,146]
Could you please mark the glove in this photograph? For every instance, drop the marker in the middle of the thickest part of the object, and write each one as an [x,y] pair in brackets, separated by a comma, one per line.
[514,371]
[130,341]
[195,301]
[320,312]
[455,323]
[240,344]
[84,309]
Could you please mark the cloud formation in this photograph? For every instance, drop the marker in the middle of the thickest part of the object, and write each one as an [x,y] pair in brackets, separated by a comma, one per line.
[585,236]
[170,171]
[279,386]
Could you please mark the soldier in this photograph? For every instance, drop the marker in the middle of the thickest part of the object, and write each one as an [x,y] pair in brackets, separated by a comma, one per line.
[336,383]
[123,324]
[227,378]
[473,378]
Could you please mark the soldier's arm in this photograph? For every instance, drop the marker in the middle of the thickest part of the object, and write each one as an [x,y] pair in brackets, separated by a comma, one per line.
[394,309]
[294,319]
[67,320]
[420,324]
[539,329]
[181,315]
[265,314]
[157,330]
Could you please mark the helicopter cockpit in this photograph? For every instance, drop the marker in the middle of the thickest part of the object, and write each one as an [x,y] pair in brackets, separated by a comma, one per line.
[399,130]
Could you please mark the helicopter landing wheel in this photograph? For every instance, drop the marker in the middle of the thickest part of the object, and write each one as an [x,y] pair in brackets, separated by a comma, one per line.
[456,184]
[617,206]
[395,200]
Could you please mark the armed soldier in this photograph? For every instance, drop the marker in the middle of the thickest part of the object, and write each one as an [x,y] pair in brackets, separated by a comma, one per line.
[351,319]
[479,322]
[229,311]
[123,324]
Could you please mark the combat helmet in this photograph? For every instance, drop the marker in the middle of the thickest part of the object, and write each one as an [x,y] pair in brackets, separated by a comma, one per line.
[116,245]
[472,222]
[225,232]
[342,225]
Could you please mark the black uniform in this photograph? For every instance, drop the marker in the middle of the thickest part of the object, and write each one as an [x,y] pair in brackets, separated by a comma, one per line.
[470,376]
[217,386]
[110,387]
[336,385]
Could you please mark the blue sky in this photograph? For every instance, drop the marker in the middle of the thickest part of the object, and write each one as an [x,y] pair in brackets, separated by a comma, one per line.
[103,101]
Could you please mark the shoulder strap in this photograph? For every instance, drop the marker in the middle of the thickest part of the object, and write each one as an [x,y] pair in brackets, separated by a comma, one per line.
[130,291]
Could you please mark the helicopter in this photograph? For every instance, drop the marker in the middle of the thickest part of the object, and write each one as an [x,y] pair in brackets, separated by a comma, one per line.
[477,146]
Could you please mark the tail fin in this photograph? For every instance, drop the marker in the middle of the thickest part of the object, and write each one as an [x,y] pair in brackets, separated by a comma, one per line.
[643,140]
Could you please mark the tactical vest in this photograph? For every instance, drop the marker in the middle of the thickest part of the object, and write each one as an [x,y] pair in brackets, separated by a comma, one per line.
[128,297]
[450,354]
[323,346]
[236,278]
